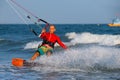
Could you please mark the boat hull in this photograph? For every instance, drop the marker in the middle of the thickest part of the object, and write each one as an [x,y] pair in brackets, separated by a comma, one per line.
[114,25]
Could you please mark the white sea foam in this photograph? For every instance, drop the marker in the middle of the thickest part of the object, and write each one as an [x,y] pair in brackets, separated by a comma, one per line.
[77,38]
[1,39]
[32,45]
[81,58]
[105,39]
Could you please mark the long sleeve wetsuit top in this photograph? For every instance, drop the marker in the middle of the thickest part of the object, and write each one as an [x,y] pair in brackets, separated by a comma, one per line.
[51,39]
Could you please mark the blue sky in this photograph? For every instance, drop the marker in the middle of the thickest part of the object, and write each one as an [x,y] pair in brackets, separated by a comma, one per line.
[64,11]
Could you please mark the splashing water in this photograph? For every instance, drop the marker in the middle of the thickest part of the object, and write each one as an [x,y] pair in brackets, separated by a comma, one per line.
[77,59]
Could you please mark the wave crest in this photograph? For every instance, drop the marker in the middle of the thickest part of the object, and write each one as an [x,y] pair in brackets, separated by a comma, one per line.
[105,39]
[32,45]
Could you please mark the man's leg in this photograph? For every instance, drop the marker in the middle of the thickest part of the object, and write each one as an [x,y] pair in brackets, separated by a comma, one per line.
[49,52]
[36,54]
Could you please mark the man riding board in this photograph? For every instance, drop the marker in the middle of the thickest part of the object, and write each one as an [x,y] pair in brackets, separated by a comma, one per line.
[49,40]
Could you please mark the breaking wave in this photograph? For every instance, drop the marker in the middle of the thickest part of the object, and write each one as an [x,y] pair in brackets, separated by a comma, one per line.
[109,40]
[83,38]
[34,44]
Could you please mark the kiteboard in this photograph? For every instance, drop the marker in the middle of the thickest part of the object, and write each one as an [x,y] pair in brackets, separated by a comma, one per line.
[19,62]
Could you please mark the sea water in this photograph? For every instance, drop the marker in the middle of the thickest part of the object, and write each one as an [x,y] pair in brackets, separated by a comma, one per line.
[93,54]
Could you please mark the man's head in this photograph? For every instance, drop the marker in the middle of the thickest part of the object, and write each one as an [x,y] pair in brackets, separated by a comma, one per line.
[52,29]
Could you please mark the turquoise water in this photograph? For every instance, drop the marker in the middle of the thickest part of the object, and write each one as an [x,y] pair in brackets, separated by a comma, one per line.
[94,53]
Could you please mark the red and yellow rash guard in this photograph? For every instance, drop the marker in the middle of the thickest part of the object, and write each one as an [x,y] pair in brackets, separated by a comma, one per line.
[51,37]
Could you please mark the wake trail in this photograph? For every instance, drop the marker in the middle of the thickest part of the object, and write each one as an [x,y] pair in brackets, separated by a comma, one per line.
[87,58]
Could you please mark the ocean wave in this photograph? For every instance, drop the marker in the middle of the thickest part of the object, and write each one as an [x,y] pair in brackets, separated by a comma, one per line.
[83,38]
[1,39]
[86,37]
[34,44]
[5,41]
[86,59]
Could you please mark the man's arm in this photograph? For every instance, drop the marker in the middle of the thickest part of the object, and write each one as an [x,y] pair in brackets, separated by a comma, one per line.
[61,43]
[43,33]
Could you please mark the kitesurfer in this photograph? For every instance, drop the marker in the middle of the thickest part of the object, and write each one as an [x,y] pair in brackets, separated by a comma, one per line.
[49,40]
